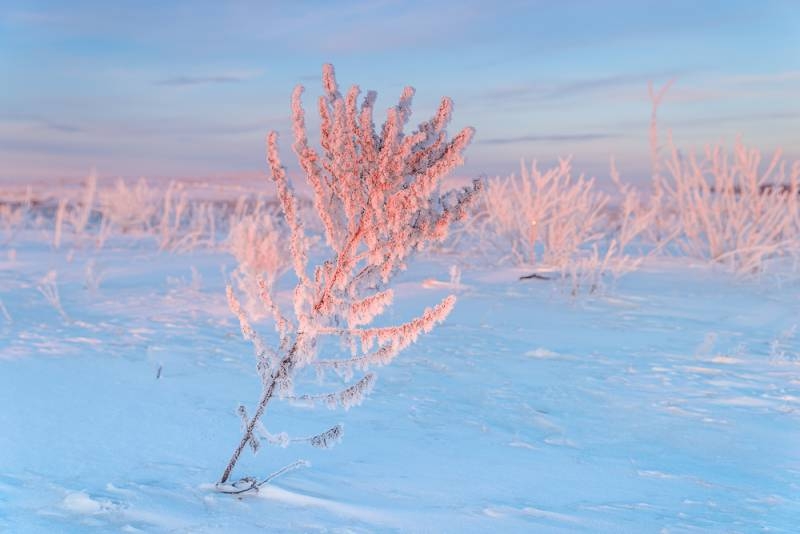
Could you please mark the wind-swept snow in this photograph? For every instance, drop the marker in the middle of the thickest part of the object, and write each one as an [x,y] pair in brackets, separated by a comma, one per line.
[672,403]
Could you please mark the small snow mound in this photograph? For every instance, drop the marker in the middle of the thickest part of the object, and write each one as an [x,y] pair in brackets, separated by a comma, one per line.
[432,283]
[521,444]
[80,503]
[728,360]
[561,441]
[546,514]
[290,498]
[493,512]
[529,511]
[745,402]
[541,353]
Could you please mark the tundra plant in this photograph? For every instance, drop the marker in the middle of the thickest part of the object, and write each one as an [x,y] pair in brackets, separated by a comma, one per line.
[377,195]
[13,215]
[258,244]
[557,222]
[734,208]
[543,217]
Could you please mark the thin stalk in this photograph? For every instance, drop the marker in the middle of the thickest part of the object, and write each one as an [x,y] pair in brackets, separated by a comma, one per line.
[266,395]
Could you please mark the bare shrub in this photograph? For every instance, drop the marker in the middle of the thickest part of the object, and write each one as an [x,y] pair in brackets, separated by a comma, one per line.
[93,275]
[4,312]
[635,217]
[733,208]
[58,230]
[129,208]
[557,222]
[542,217]
[173,207]
[185,225]
[376,195]
[13,215]
[79,214]
[198,231]
[259,245]
[48,287]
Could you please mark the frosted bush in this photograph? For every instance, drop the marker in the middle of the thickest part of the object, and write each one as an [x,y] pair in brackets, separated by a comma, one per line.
[198,231]
[48,287]
[13,216]
[259,245]
[177,222]
[733,208]
[553,221]
[80,213]
[185,225]
[129,208]
[256,242]
[173,206]
[634,219]
[377,197]
[541,218]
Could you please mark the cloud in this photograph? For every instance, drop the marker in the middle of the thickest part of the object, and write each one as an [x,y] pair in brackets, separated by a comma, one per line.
[30,17]
[61,127]
[551,91]
[179,81]
[236,76]
[51,147]
[538,91]
[714,120]
[553,138]
[41,122]
[189,127]
[745,117]
[768,78]
[768,87]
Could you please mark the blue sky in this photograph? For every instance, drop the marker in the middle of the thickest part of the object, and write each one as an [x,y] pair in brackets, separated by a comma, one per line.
[189,89]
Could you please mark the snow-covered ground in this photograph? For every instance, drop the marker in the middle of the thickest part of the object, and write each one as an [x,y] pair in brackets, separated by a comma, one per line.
[669,404]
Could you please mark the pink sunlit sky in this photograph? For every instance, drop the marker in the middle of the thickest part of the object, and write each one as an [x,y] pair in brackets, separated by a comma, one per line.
[189,89]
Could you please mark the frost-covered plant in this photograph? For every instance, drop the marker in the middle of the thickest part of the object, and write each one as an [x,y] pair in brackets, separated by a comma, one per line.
[780,348]
[12,218]
[185,225]
[80,212]
[259,246]
[174,205]
[587,271]
[61,212]
[732,209]
[75,214]
[94,275]
[129,208]
[199,230]
[541,217]
[634,216]
[377,197]
[48,287]
[4,312]
[256,243]
[13,214]
[558,222]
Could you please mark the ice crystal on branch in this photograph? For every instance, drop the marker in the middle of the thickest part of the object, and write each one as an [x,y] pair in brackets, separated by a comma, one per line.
[377,195]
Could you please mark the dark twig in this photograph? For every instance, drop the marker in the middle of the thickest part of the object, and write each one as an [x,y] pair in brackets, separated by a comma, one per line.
[534,276]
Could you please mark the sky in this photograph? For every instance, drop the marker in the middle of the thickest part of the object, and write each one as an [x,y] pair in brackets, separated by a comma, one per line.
[190,89]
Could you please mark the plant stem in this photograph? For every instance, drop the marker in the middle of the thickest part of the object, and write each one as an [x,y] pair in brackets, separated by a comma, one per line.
[266,395]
